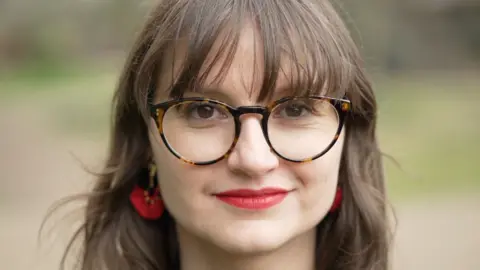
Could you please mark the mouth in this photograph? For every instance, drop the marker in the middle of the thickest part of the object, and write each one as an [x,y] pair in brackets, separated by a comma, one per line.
[253,199]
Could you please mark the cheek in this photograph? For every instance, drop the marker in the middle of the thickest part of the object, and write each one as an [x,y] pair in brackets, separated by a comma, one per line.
[319,180]
[323,170]
[180,183]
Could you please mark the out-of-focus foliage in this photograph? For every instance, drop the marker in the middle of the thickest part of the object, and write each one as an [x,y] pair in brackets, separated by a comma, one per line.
[394,35]
[54,33]
[60,60]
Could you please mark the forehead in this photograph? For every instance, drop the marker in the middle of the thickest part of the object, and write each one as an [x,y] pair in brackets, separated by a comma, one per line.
[235,68]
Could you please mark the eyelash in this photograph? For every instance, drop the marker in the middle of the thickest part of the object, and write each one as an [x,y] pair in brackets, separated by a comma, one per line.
[188,109]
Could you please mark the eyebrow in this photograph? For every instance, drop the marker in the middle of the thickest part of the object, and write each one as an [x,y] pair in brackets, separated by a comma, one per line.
[221,94]
[211,92]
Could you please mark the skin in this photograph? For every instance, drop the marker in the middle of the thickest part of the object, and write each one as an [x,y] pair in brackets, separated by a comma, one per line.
[215,235]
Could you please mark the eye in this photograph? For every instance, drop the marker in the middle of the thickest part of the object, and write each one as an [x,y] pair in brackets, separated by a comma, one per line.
[203,111]
[293,109]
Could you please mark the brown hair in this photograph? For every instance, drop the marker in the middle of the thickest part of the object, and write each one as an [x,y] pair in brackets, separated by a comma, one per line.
[116,237]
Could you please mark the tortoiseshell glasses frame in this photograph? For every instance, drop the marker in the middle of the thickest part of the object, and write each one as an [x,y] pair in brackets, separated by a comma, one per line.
[157,111]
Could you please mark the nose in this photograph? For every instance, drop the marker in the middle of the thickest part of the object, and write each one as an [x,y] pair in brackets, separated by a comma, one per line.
[252,156]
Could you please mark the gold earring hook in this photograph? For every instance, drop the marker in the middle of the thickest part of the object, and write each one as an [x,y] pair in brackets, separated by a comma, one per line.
[153,172]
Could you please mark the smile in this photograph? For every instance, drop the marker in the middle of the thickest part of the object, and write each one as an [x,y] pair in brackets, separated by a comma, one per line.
[253,199]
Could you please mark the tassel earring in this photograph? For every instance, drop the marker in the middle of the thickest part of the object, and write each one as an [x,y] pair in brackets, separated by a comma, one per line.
[147,200]
[337,201]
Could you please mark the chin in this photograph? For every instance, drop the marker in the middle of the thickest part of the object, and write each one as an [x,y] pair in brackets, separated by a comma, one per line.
[253,236]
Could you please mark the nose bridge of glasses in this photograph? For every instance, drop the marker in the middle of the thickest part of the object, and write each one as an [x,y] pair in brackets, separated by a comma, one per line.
[251,110]
[252,140]
[255,110]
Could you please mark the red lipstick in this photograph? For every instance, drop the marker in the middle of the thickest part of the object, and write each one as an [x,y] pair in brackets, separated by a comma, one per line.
[253,199]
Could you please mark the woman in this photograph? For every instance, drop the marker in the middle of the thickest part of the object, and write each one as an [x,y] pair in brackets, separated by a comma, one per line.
[243,138]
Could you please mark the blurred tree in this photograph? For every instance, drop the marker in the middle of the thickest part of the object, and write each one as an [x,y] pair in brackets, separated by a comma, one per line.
[393,35]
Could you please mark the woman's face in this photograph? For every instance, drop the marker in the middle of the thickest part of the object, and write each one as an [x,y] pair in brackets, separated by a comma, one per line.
[191,193]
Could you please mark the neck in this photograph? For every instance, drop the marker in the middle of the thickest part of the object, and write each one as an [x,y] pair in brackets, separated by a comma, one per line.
[297,254]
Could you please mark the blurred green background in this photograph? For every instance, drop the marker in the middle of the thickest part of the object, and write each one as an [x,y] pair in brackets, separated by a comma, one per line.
[59,61]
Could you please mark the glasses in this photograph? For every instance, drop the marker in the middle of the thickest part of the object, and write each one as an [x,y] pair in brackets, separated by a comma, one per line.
[203,131]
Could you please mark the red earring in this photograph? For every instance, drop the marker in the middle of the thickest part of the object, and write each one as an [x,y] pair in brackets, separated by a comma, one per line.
[337,201]
[148,201]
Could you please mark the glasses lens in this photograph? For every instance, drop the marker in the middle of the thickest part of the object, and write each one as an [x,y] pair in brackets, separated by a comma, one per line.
[199,131]
[302,128]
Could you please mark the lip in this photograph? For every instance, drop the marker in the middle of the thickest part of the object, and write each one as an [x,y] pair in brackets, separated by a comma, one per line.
[253,199]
